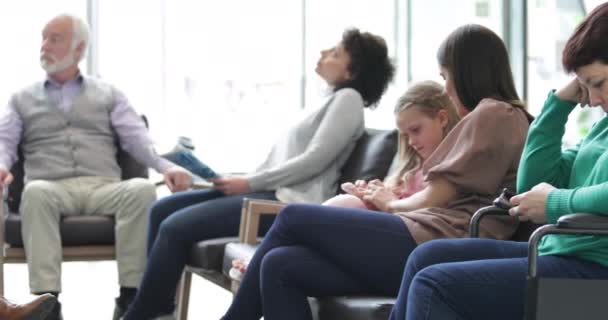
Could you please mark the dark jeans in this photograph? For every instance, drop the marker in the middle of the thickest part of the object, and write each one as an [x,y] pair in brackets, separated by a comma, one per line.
[176,223]
[321,251]
[476,279]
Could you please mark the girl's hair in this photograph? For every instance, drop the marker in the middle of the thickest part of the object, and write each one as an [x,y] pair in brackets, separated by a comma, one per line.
[428,97]
[370,66]
[478,62]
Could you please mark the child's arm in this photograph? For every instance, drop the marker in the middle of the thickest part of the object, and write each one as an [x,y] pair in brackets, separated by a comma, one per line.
[438,193]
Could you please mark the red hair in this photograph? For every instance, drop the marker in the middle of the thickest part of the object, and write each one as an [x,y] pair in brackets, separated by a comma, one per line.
[588,42]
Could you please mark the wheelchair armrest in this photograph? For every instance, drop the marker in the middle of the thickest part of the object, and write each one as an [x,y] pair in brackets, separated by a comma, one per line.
[479,214]
[577,223]
[250,217]
[583,221]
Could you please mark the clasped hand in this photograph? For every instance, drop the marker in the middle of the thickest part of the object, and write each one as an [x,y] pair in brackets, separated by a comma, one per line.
[374,192]
[231,185]
[530,206]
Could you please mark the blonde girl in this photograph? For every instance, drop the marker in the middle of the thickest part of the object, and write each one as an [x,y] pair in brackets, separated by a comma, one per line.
[424,115]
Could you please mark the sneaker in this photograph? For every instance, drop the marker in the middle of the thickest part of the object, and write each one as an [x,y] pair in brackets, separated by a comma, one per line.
[55,313]
[239,267]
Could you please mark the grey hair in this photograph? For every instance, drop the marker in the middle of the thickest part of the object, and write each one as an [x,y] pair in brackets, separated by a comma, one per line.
[80,33]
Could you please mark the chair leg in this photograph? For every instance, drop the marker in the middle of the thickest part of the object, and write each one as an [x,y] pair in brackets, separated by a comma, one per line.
[2,273]
[2,244]
[184,295]
[234,286]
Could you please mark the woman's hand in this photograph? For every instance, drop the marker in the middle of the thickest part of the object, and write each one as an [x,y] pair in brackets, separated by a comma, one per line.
[231,185]
[574,92]
[530,206]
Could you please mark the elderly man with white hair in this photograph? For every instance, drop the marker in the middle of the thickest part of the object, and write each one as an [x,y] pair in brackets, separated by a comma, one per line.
[66,126]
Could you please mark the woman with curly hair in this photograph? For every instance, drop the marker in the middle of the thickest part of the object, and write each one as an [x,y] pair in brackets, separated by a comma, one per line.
[303,166]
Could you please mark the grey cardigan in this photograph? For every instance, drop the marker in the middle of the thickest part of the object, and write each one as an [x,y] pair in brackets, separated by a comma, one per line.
[304,165]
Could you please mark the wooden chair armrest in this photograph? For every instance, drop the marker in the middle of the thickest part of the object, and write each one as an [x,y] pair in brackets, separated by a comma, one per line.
[250,217]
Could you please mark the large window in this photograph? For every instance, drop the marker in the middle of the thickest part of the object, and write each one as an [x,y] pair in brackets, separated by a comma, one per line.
[550,24]
[232,76]
[224,72]
[431,25]
[21,24]
[129,53]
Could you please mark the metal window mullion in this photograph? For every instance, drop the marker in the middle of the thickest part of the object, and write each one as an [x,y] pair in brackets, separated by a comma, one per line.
[303,57]
[92,67]
[408,39]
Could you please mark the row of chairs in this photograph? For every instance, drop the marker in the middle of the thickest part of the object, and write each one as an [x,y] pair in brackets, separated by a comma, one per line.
[91,238]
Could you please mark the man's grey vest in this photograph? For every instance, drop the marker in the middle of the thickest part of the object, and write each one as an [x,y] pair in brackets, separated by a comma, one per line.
[58,145]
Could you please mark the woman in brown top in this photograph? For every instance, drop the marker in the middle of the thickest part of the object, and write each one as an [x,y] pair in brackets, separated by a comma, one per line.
[326,251]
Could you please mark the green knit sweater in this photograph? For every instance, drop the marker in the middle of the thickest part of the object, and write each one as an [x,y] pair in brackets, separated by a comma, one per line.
[580,175]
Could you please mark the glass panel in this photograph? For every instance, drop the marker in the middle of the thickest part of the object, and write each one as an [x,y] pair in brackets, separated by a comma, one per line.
[22,23]
[431,26]
[590,4]
[232,69]
[551,22]
[130,53]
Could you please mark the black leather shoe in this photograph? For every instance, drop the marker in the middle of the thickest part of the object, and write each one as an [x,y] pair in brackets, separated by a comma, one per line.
[56,313]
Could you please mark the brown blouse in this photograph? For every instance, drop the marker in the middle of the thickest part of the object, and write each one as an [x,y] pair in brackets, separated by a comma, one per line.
[479,156]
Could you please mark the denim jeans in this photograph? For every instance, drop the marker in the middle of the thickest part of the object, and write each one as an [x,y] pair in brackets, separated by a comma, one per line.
[176,223]
[476,279]
[321,251]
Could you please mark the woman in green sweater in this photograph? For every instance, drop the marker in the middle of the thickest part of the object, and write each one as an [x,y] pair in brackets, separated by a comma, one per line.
[486,279]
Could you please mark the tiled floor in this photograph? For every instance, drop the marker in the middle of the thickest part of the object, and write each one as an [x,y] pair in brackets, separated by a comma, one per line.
[89,289]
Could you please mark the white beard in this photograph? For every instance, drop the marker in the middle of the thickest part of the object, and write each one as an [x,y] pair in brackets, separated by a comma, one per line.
[57,66]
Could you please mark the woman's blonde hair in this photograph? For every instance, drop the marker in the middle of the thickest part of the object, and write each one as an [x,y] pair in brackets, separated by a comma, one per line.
[428,97]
